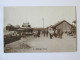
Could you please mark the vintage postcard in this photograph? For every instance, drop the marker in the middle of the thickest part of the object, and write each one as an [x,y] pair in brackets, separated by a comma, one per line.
[40,29]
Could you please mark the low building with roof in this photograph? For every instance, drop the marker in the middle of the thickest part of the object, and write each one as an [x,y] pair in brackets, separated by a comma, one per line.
[64,25]
[26,24]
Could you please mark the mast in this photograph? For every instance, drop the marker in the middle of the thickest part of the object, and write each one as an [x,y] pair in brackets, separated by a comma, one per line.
[43,22]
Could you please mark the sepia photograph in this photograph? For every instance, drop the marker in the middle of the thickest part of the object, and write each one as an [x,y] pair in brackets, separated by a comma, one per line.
[41,29]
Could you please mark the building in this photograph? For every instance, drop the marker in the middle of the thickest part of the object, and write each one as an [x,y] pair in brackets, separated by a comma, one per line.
[25,29]
[26,25]
[64,25]
[74,27]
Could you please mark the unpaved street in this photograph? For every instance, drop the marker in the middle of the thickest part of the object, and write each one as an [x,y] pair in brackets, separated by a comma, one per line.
[43,44]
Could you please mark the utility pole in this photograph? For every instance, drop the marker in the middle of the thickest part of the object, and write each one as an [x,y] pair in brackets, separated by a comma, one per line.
[43,26]
[43,22]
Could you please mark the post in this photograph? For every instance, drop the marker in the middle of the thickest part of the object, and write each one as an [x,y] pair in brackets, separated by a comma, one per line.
[43,22]
[43,27]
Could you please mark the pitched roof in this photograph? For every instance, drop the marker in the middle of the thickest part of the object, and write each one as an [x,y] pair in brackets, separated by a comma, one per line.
[60,23]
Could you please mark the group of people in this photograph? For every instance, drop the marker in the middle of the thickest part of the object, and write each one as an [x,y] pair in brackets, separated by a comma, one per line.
[56,33]
[49,32]
[37,33]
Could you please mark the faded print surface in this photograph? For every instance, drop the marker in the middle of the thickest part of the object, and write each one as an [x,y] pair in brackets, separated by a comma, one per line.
[40,29]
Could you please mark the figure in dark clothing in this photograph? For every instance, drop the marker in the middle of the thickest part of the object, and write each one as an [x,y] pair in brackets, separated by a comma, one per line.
[60,33]
[56,33]
[44,33]
[47,33]
[38,33]
[51,32]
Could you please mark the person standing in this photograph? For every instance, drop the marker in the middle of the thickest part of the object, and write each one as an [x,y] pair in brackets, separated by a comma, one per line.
[35,33]
[44,32]
[38,33]
[47,33]
[60,33]
[56,33]
[51,32]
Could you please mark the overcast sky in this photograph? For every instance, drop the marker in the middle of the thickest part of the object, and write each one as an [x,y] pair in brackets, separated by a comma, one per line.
[34,15]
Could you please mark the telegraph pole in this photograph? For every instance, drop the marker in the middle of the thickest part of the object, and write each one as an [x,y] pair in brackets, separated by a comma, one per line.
[43,26]
[43,22]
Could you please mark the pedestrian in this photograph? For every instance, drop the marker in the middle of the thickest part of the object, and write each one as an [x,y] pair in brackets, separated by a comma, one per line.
[35,34]
[47,33]
[51,32]
[38,33]
[56,33]
[60,33]
[44,32]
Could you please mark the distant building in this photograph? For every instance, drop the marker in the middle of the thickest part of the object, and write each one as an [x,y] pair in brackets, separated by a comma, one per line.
[17,26]
[74,27]
[74,23]
[26,25]
[10,27]
[64,25]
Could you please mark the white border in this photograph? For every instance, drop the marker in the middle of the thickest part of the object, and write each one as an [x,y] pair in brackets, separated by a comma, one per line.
[40,56]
